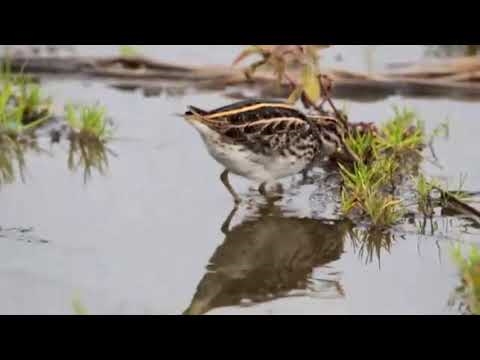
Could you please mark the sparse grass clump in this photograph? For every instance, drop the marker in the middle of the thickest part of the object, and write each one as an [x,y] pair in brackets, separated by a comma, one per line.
[469,268]
[388,156]
[23,107]
[369,186]
[90,130]
[35,107]
[403,132]
[362,145]
[88,121]
[364,192]
[383,210]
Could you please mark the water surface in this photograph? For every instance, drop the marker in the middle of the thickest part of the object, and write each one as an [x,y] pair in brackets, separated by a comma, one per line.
[148,237]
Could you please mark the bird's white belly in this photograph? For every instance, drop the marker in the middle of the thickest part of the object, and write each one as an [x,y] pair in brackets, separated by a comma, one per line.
[241,161]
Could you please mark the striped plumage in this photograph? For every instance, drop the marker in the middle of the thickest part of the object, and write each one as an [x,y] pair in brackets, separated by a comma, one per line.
[265,140]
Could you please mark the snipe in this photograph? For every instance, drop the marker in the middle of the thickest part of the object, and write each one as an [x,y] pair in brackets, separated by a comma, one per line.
[265,140]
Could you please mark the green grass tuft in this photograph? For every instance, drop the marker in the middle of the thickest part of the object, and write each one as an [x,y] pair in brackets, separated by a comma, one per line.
[22,104]
[388,156]
[403,132]
[90,121]
[361,145]
[363,191]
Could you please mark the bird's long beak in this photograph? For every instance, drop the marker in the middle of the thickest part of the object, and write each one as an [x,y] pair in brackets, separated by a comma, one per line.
[189,116]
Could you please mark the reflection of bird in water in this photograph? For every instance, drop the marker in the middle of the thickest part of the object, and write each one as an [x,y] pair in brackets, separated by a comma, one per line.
[266,257]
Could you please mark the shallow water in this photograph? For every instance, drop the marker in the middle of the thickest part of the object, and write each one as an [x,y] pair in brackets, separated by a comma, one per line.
[146,238]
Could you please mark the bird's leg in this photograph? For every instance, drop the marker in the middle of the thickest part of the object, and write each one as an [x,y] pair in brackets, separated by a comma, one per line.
[263,190]
[224,178]
[226,224]
[305,174]
[280,189]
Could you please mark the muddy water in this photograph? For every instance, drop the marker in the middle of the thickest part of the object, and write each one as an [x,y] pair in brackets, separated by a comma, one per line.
[154,236]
